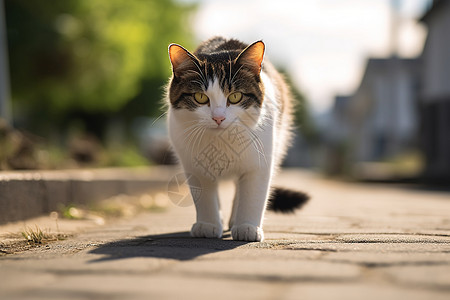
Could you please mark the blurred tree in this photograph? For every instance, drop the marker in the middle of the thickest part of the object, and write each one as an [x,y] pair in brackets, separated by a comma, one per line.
[302,113]
[90,58]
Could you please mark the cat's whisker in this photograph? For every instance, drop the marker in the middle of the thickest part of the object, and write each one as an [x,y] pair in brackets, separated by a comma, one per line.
[158,118]
[189,144]
[257,144]
[187,137]
[190,122]
[201,84]
[201,73]
[193,136]
[235,73]
[254,140]
[188,133]
[260,150]
[237,81]
[188,130]
[229,61]
[201,131]
[194,72]
[195,122]
[199,136]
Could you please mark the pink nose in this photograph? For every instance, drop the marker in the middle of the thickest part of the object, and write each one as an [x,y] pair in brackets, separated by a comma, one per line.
[218,120]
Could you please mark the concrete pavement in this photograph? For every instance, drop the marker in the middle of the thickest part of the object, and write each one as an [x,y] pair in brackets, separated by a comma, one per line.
[351,241]
[28,194]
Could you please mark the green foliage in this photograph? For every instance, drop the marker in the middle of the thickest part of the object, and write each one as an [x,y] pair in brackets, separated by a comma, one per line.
[302,114]
[90,56]
[123,156]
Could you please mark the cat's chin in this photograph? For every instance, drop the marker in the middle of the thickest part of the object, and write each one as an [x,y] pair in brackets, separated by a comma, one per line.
[220,127]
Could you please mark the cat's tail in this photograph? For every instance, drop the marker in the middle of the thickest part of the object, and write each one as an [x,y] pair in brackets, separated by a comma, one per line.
[285,200]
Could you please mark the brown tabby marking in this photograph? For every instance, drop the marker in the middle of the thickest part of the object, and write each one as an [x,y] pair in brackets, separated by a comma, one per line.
[215,59]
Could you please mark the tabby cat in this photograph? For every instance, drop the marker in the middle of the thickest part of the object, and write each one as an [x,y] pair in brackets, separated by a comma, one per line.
[230,116]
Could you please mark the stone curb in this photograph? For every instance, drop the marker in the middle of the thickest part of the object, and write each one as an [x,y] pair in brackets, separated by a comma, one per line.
[27,194]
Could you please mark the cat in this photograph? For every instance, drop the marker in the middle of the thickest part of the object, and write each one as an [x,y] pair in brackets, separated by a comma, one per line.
[230,115]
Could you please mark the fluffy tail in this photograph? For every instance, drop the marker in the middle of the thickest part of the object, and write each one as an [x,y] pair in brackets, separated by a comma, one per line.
[286,201]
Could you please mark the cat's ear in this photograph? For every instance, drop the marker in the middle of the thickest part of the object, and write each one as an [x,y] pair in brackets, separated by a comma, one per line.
[252,57]
[181,59]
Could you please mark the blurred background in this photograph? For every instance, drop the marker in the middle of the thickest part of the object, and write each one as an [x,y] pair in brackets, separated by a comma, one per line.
[82,81]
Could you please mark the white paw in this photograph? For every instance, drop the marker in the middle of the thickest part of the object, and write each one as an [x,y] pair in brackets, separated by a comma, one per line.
[247,232]
[206,230]
[230,224]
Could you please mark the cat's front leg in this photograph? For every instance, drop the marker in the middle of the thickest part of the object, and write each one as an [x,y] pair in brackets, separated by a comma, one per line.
[235,207]
[209,223]
[252,197]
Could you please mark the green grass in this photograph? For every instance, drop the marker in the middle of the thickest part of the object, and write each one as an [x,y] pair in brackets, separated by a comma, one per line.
[124,156]
[36,236]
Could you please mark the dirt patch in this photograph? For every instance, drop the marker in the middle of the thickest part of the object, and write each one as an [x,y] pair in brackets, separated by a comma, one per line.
[16,243]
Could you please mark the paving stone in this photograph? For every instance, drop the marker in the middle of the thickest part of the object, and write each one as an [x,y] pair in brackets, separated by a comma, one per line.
[428,275]
[351,241]
[360,290]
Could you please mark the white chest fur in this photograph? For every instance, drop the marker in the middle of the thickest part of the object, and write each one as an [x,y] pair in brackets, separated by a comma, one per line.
[218,153]
[246,143]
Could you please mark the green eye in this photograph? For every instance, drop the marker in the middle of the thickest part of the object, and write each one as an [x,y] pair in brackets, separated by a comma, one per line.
[201,98]
[235,97]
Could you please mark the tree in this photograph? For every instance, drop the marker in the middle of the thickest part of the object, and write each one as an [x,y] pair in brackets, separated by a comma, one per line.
[302,115]
[90,57]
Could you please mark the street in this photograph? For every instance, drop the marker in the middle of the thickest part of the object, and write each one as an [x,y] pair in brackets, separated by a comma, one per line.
[351,241]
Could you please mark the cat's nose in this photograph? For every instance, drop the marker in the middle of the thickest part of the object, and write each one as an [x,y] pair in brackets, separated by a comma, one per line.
[218,120]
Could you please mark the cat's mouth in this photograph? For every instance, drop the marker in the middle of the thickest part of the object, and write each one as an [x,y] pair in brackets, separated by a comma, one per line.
[220,126]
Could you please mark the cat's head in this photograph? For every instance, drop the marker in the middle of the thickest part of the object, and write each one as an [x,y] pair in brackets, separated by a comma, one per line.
[217,86]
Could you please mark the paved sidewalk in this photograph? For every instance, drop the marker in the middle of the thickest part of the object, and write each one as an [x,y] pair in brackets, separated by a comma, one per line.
[28,194]
[350,242]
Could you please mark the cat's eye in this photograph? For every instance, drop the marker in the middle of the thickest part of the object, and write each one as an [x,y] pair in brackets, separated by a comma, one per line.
[201,98]
[235,97]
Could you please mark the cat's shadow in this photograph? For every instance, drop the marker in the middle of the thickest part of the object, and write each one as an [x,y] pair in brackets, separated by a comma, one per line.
[178,245]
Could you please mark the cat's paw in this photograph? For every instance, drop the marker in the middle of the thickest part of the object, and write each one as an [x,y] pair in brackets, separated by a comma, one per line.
[230,224]
[206,230]
[247,232]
